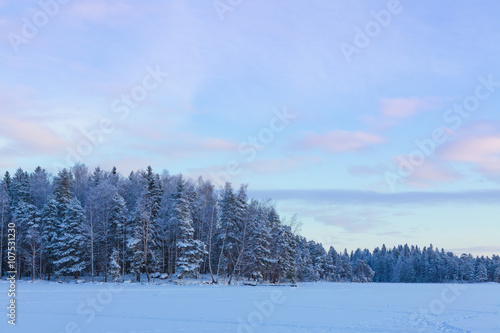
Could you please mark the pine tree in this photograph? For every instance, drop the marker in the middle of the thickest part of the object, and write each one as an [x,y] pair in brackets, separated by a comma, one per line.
[362,272]
[304,263]
[62,191]
[257,253]
[346,274]
[481,273]
[40,187]
[190,250]
[287,253]
[141,240]
[114,266]
[20,189]
[51,228]
[144,242]
[331,265]
[28,216]
[496,277]
[70,251]
[467,268]
[118,217]
[229,238]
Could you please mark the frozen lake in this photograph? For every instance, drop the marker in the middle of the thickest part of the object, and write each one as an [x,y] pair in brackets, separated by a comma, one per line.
[310,307]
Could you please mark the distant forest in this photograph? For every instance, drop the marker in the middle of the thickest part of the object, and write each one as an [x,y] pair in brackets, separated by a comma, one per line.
[106,227]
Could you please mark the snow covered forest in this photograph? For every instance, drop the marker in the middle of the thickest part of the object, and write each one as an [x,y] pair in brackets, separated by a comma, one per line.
[104,226]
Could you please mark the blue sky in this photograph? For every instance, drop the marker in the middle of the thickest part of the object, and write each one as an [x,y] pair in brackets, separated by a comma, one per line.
[380,118]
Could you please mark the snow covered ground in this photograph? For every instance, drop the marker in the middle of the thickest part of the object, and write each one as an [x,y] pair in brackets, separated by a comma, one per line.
[311,307]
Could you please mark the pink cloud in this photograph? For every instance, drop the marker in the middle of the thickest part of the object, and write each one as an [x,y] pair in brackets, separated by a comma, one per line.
[99,10]
[30,137]
[483,152]
[280,165]
[341,141]
[181,145]
[217,144]
[432,172]
[270,166]
[406,107]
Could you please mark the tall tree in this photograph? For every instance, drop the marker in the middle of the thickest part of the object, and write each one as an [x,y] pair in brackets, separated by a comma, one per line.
[70,252]
[51,233]
[190,250]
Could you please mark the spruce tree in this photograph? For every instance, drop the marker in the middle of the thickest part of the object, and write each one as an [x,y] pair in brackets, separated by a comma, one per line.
[190,250]
[70,252]
[51,233]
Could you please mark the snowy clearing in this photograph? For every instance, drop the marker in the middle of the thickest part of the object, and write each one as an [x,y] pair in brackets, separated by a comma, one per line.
[310,307]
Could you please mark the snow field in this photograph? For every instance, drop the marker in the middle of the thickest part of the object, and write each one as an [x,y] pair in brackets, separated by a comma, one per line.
[310,307]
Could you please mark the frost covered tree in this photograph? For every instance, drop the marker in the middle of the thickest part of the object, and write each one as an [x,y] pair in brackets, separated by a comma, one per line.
[40,187]
[362,272]
[257,253]
[144,240]
[118,217]
[467,268]
[114,265]
[70,243]
[229,235]
[239,234]
[496,277]
[62,190]
[481,273]
[28,216]
[51,227]
[190,251]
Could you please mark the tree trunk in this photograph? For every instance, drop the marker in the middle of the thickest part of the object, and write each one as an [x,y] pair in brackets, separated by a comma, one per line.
[34,260]
[210,248]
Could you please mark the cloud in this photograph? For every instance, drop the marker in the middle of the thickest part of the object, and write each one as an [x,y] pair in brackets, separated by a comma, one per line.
[28,137]
[182,145]
[99,11]
[360,197]
[431,172]
[351,224]
[406,107]
[478,250]
[260,166]
[366,170]
[340,141]
[483,152]
[280,165]
[394,110]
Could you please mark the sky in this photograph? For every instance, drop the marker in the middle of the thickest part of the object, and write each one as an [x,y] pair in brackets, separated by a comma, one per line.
[375,122]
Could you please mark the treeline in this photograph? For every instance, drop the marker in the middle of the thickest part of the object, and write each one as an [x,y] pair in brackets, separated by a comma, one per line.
[399,264]
[100,224]
[105,226]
